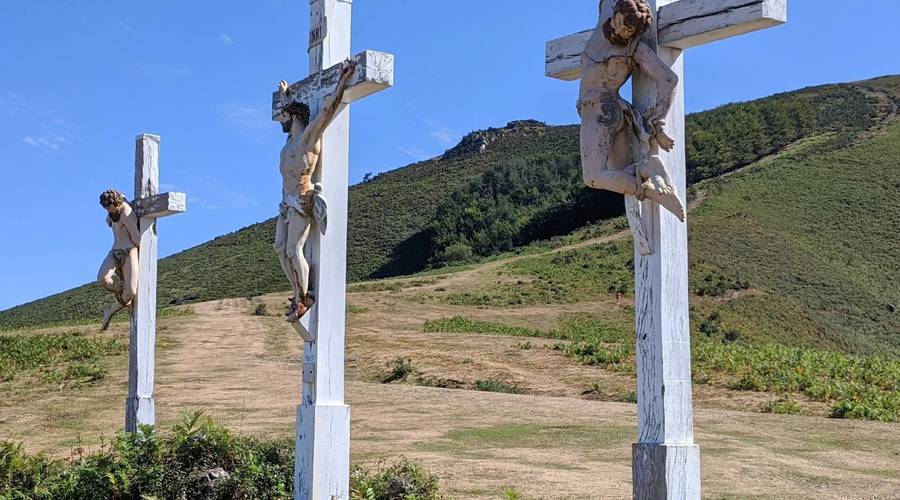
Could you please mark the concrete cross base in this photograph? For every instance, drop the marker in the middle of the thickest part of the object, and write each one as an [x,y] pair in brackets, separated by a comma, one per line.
[665,471]
[322,468]
[139,409]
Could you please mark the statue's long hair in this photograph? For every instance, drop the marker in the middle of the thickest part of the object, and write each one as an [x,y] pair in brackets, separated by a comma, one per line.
[111,198]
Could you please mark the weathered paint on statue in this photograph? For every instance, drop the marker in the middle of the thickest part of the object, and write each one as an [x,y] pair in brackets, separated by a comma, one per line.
[302,201]
[119,271]
[608,121]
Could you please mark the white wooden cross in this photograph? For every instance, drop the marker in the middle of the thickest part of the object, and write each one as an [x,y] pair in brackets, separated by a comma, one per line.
[666,462]
[149,205]
[323,420]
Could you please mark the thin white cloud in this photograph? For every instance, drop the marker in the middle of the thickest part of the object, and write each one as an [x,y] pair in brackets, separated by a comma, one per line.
[126,28]
[49,143]
[246,118]
[445,136]
[226,40]
[413,152]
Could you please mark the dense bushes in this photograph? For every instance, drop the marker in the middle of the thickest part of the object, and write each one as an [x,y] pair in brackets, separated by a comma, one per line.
[198,460]
[726,138]
[517,202]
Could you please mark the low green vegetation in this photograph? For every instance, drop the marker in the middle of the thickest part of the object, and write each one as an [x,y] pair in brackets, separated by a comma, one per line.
[465,325]
[494,385]
[198,459]
[557,278]
[72,357]
[863,387]
[399,370]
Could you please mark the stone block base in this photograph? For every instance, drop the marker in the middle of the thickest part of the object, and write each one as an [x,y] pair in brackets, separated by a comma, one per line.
[322,469]
[665,471]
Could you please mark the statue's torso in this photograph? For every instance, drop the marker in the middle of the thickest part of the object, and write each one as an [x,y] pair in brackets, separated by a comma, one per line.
[294,164]
[121,238]
[605,67]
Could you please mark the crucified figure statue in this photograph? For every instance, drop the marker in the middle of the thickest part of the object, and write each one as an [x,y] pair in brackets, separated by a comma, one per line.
[119,271]
[608,121]
[302,200]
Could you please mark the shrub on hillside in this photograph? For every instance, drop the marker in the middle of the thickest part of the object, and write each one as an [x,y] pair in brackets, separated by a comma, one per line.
[197,460]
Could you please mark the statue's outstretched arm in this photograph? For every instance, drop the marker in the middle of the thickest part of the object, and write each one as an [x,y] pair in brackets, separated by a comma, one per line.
[317,126]
[131,225]
[666,82]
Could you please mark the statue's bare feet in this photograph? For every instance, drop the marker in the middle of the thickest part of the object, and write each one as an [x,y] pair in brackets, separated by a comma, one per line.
[108,314]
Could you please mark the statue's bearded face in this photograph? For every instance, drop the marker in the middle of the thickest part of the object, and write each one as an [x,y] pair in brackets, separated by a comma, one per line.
[620,28]
[114,211]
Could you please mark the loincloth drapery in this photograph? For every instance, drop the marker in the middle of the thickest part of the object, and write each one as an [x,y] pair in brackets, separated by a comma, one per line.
[633,120]
[120,255]
[300,203]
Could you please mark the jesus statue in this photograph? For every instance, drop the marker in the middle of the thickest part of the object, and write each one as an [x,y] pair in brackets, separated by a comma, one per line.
[609,123]
[302,202]
[119,271]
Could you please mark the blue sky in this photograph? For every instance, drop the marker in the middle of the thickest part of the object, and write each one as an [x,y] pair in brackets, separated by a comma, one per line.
[80,79]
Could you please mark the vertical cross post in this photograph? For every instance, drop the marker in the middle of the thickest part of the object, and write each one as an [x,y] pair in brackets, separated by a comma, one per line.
[140,406]
[323,420]
[666,462]
[150,205]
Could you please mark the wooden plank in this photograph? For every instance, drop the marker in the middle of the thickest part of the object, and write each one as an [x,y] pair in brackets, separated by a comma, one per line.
[161,205]
[374,73]
[140,406]
[682,24]
[689,23]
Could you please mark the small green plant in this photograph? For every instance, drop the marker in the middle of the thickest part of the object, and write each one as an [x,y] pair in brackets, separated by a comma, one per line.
[525,346]
[260,310]
[493,385]
[785,406]
[352,309]
[511,494]
[400,369]
[627,397]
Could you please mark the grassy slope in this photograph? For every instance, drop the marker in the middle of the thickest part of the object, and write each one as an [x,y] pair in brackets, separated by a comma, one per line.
[387,216]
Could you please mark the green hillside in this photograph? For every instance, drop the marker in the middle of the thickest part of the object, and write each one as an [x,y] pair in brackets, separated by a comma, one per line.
[392,229]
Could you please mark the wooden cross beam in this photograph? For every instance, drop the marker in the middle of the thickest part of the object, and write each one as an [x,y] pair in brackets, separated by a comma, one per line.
[681,25]
[323,419]
[150,206]
[665,460]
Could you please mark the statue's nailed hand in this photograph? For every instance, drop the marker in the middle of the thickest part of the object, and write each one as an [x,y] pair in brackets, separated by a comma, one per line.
[347,69]
[658,131]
